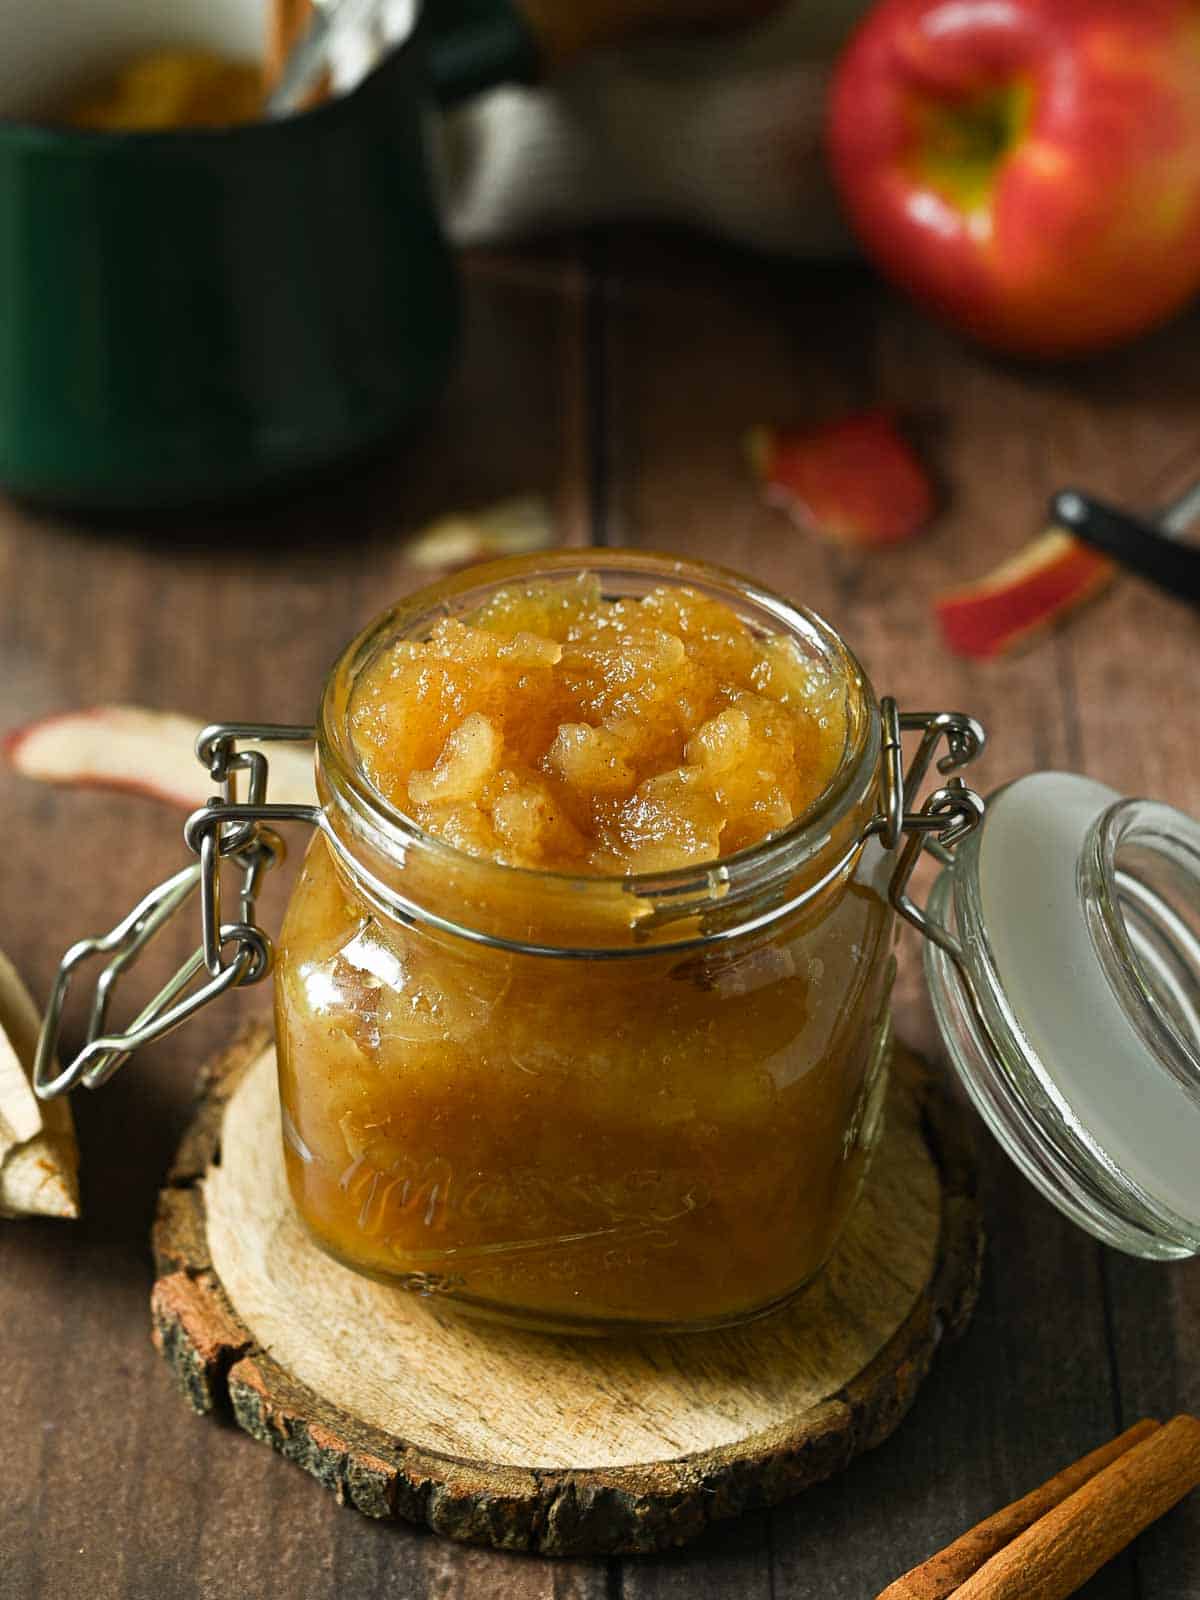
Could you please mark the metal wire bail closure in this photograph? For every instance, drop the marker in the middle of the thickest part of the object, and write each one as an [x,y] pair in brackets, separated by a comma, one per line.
[234,954]
[231,954]
[948,815]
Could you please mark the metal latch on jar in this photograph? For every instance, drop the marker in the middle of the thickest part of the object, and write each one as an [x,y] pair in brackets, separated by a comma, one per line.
[949,813]
[226,830]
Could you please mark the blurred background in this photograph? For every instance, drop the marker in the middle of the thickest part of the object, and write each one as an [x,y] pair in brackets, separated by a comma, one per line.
[301,307]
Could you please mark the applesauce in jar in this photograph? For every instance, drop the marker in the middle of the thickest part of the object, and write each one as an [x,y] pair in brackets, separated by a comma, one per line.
[582,993]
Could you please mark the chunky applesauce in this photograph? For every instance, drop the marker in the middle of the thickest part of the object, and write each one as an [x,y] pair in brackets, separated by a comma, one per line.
[585,1031]
[558,730]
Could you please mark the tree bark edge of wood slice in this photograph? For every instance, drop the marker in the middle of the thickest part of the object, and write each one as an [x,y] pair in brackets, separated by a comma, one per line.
[630,1508]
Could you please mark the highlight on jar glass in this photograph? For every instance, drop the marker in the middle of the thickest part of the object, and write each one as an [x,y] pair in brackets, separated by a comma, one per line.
[582,997]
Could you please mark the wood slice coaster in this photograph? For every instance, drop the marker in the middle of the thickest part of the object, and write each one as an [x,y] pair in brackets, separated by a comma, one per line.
[530,1442]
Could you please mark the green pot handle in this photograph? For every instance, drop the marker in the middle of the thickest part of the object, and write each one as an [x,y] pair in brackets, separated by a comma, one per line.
[471,45]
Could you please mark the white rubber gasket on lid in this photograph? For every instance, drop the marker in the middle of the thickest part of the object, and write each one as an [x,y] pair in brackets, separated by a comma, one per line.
[1095,1065]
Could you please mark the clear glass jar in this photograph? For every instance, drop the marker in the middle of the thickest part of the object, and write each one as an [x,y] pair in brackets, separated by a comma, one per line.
[586,1103]
[596,1103]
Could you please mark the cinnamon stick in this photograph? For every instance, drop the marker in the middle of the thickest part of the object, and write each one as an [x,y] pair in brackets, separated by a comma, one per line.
[1059,1553]
[943,1573]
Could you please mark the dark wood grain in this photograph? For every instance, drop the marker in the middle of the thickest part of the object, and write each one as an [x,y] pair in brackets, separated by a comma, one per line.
[618,382]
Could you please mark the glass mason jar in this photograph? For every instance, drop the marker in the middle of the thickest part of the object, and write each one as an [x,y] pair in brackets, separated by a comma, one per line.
[594,1103]
[580,1102]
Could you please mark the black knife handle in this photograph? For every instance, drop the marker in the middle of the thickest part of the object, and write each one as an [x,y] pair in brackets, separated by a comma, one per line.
[1137,545]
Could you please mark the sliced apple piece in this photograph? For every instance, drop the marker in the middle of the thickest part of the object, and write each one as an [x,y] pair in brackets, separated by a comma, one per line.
[39,1159]
[1049,577]
[511,528]
[148,752]
[857,480]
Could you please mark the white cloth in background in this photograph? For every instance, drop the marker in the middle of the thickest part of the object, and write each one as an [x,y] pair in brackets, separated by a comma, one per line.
[723,132]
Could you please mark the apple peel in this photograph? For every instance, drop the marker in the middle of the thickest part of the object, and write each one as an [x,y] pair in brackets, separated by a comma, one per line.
[1052,575]
[39,1159]
[511,528]
[143,751]
[857,480]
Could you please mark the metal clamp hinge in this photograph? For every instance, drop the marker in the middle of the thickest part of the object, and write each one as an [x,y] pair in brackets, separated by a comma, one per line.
[232,954]
[947,816]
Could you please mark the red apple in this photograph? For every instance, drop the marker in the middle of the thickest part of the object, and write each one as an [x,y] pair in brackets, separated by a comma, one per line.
[1028,169]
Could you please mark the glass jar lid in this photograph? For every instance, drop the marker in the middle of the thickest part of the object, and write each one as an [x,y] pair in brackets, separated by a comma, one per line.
[1068,996]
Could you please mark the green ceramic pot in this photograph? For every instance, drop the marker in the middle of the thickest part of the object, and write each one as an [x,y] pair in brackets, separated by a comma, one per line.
[194,316]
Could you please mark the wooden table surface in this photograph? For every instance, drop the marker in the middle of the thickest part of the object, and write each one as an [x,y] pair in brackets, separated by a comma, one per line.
[616,376]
